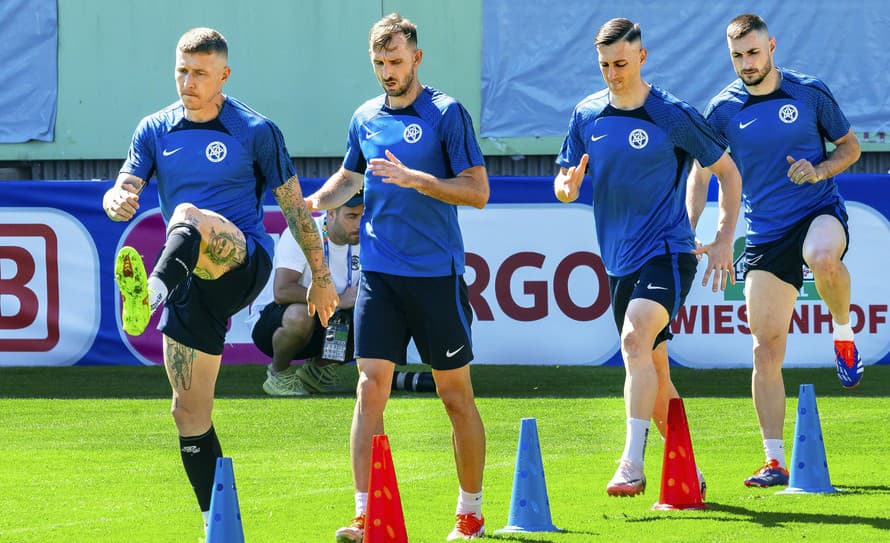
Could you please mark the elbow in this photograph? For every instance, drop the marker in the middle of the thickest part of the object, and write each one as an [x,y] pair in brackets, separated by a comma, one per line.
[482,199]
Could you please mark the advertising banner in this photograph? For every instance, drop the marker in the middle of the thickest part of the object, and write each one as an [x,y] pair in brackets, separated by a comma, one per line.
[537,285]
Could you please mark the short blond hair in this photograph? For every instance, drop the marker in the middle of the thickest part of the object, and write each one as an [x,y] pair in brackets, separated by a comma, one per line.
[203,40]
[383,31]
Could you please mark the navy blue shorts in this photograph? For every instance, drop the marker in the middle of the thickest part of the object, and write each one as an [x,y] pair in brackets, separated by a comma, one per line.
[197,312]
[270,321]
[784,256]
[664,279]
[435,311]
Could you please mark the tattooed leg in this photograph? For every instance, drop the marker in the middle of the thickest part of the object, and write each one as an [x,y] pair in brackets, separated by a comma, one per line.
[192,375]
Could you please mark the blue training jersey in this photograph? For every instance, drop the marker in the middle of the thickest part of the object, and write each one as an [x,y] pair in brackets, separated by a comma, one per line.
[794,120]
[223,165]
[403,231]
[639,160]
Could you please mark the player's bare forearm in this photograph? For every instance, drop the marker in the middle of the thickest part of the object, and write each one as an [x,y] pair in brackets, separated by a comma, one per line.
[302,226]
[843,156]
[469,188]
[730,197]
[697,192]
[337,190]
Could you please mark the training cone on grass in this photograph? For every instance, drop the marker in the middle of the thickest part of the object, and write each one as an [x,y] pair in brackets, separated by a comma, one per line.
[809,467]
[384,520]
[680,488]
[225,515]
[529,505]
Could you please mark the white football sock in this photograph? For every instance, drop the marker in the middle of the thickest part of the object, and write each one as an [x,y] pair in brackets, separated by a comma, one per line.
[843,332]
[469,502]
[361,503]
[635,441]
[775,450]
[157,292]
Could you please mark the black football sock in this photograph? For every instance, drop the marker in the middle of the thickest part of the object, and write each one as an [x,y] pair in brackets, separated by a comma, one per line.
[199,454]
[179,255]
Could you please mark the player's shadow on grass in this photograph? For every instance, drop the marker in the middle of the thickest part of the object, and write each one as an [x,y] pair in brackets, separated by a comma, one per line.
[769,519]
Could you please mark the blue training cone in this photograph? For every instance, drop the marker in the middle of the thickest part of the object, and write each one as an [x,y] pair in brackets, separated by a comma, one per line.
[225,515]
[529,505]
[809,467]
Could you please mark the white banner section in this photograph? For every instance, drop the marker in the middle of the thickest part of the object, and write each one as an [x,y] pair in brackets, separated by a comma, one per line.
[538,288]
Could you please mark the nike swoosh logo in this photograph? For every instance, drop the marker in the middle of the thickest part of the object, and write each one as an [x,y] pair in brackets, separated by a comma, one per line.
[650,286]
[168,153]
[369,134]
[449,354]
[597,138]
[743,126]
[753,261]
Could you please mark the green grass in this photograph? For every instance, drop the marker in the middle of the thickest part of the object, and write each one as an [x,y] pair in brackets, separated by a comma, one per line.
[89,455]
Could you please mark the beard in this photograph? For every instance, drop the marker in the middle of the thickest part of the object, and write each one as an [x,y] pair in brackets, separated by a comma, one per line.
[752,80]
[401,89]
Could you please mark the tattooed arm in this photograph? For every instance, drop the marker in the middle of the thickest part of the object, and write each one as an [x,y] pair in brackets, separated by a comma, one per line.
[122,200]
[322,296]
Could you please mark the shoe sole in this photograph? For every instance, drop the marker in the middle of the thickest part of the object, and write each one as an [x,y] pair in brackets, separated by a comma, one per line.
[341,538]
[625,491]
[129,273]
[271,392]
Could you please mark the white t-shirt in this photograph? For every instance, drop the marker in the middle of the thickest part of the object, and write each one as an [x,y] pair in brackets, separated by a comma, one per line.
[289,254]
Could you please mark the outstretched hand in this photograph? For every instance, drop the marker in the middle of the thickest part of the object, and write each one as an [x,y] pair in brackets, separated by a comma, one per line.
[392,171]
[719,263]
[566,185]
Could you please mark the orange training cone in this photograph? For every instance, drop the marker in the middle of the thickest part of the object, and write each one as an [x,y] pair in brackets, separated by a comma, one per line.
[679,479]
[384,520]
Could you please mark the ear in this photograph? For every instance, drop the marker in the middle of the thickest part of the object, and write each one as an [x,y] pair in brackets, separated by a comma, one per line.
[226,73]
[418,57]
[772,45]
[643,54]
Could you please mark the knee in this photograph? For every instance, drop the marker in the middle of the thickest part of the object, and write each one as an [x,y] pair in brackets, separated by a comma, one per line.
[183,212]
[297,322]
[371,393]
[768,352]
[457,400]
[189,421]
[824,263]
[634,345]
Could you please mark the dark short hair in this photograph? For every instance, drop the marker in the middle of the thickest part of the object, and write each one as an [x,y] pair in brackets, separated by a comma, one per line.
[744,24]
[203,40]
[618,30]
[384,29]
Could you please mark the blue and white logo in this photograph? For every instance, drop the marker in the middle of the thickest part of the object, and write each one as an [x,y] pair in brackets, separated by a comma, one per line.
[788,114]
[638,138]
[216,151]
[413,133]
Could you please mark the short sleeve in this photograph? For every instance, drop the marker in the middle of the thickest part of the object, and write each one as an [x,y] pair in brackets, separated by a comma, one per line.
[271,155]
[460,139]
[143,150]
[354,159]
[695,136]
[832,121]
[573,144]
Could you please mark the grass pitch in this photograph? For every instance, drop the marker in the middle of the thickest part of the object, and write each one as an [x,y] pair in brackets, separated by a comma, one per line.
[90,455]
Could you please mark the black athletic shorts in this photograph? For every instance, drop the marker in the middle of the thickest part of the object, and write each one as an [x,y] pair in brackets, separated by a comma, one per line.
[270,320]
[664,279]
[197,312]
[784,256]
[435,311]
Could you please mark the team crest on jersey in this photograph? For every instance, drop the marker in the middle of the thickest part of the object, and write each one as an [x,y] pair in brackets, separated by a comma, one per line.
[788,113]
[638,138]
[413,133]
[216,151]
